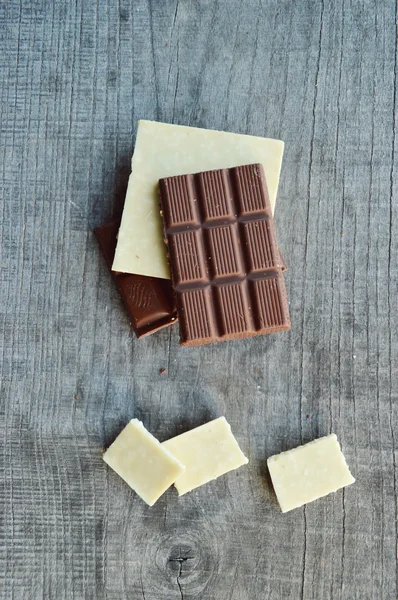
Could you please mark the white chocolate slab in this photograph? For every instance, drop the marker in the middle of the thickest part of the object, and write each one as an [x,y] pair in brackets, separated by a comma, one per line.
[207,452]
[144,464]
[164,150]
[309,472]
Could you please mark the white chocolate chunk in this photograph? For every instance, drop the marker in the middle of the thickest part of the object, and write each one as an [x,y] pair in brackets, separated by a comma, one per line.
[144,464]
[164,150]
[309,472]
[207,452]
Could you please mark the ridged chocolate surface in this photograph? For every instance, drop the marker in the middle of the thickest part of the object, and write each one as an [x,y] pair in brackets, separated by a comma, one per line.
[225,262]
[149,301]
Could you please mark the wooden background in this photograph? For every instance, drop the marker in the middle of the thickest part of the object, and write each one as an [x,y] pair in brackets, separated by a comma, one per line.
[75,76]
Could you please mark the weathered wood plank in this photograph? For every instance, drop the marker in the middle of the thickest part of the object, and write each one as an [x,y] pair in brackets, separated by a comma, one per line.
[74,79]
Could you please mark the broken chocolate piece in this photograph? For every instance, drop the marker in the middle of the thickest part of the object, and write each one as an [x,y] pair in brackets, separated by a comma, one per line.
[149,301]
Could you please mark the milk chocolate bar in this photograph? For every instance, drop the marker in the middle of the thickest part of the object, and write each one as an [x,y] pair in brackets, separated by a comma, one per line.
[149,301]
[225,263]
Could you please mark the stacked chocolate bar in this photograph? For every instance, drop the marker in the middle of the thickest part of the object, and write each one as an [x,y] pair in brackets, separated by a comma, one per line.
[221,249]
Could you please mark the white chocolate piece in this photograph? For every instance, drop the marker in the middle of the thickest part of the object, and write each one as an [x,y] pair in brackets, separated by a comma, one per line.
[164,150]
[207,452]
[144,464]
[309,472]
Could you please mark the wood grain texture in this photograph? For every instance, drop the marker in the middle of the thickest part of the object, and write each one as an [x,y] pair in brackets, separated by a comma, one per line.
[75,77]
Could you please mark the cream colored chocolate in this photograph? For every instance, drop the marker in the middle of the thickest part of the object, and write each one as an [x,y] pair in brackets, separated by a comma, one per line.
[144,464]
[207,452]
[164,150]
[309,472]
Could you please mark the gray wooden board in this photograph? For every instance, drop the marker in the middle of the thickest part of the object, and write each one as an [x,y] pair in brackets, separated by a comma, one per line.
[75,76]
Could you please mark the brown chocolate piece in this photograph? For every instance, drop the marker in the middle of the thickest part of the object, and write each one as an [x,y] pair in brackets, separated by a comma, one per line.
[225,263]
[149,301]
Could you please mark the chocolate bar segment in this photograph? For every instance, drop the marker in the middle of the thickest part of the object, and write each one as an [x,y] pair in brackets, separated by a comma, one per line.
[225,263]
[149,301]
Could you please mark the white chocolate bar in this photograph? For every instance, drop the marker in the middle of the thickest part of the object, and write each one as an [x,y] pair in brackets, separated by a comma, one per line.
[164,150]
[207,452]
[144,464]
[309,472]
